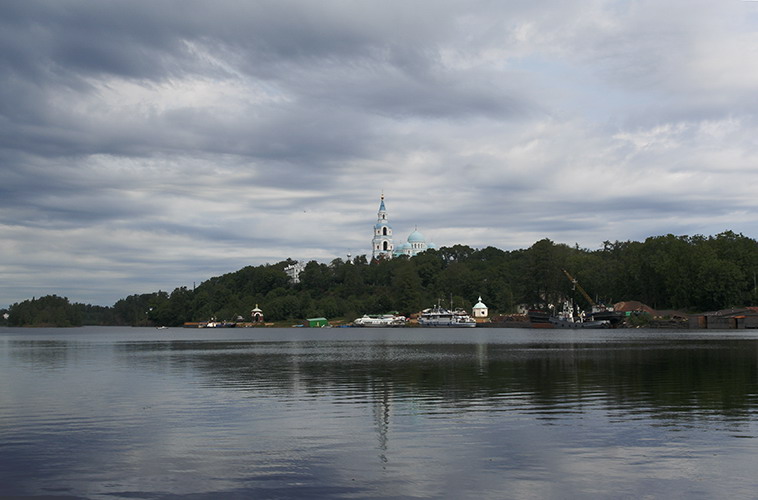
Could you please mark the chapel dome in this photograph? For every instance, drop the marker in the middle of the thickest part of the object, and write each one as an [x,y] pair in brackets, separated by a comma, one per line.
[416,237]
[402,248]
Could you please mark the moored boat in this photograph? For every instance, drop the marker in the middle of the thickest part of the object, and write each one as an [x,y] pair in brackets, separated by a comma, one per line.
[440,317]
[570,323]
[608,314]
[217,324]
[539,318]
[567,318]
[380,321]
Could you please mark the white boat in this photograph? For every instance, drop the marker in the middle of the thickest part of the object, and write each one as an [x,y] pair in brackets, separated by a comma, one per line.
[382,321]
[441,317]
[217,324]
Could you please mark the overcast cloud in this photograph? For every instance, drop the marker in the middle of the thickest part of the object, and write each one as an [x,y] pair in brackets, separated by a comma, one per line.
[148,145]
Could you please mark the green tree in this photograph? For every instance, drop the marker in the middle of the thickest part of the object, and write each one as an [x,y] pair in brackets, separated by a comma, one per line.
[316,277]
[50,310]
[407,285]
[543,274]
[718,285]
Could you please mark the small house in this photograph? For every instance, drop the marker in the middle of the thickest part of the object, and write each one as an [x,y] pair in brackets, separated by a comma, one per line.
[316,322]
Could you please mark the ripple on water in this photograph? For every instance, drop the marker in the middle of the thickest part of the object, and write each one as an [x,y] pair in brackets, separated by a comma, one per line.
[381,416]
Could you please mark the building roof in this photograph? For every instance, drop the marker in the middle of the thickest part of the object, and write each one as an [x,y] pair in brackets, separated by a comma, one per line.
[416,237]
[480,304]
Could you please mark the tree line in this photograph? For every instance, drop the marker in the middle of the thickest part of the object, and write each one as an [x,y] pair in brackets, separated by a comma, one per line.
[688,273]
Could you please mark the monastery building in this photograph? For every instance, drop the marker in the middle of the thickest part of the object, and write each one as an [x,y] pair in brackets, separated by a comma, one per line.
[383,245]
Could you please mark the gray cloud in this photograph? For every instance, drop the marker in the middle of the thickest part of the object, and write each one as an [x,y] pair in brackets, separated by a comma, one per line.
[151,144]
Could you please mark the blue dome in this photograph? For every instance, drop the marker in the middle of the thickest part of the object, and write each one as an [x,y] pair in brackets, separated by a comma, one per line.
[402,248]
[416,237]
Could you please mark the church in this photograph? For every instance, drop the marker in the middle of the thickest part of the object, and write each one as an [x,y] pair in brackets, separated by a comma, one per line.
[383,245]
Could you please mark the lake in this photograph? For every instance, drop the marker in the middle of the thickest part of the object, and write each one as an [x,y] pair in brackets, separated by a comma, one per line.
[139,413]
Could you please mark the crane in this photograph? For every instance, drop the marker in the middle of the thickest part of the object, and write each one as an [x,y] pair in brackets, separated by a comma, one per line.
[581,290]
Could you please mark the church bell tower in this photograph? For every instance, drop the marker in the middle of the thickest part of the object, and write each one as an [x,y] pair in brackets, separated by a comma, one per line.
[382,242]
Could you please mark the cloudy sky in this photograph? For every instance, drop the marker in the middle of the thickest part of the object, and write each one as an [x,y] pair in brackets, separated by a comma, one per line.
[148,145]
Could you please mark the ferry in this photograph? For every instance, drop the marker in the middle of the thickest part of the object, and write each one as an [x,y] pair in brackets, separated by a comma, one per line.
[382,321]
[440,317]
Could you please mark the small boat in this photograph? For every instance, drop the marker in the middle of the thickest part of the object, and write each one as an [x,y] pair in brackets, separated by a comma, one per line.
[440,317]
[571,323]
[217,324]
[380,321]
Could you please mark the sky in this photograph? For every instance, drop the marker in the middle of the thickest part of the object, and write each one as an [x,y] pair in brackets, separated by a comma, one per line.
[151,145]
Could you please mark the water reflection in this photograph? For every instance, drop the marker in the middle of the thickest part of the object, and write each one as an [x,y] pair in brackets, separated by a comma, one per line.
[281,415]
[46,354]
[661,379]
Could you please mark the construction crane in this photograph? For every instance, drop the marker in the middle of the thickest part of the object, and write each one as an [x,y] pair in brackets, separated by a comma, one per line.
[581,290]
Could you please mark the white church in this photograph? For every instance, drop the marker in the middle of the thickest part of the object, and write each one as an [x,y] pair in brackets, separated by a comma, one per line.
[382,244]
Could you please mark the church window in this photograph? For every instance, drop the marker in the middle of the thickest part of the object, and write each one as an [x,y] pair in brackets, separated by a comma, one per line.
[384,231]
[386,246]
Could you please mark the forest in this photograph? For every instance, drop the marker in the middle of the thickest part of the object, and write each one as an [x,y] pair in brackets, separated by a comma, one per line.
[687,273]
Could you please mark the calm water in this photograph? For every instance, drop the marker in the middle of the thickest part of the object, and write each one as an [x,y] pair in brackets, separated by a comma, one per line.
[357,413]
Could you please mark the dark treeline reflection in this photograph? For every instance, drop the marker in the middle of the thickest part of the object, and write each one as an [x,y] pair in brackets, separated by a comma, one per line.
[670,378]
[46,354]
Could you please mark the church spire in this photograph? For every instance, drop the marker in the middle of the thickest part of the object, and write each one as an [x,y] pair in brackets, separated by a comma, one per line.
[382,242]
